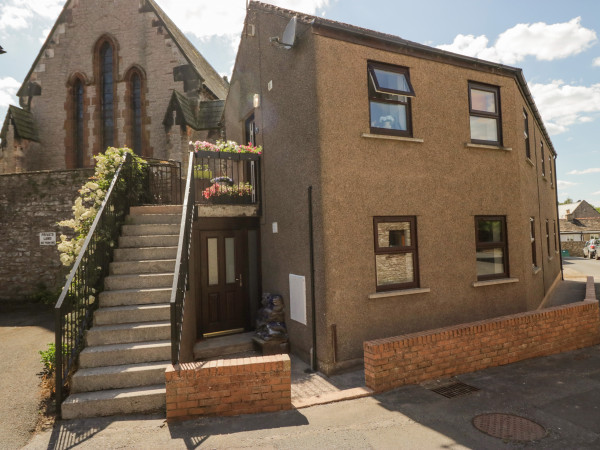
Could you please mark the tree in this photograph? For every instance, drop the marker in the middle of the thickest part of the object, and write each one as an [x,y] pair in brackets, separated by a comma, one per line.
[567,201]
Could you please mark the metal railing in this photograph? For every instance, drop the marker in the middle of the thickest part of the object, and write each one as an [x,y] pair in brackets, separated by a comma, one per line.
[163,182]
[181,276]
[79,298]
[227,178]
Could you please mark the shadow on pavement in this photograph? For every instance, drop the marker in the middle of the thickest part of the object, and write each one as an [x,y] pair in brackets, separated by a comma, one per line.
[194,432]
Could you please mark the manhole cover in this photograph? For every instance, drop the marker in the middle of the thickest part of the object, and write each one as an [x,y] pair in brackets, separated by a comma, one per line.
[455,390]
[508,426]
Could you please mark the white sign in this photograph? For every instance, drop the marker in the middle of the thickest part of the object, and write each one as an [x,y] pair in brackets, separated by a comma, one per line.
[298,298]
[47,238]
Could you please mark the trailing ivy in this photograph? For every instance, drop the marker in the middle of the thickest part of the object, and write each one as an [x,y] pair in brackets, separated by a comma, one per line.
[92,194]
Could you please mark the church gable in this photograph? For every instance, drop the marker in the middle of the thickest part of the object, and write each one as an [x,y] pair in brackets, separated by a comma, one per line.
[105,76]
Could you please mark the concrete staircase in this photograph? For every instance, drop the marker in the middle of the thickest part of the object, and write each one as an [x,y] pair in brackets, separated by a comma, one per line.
[121,370]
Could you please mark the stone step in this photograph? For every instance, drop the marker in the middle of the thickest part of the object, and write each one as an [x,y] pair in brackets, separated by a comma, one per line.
[134,297]
[138,281]
[118,377]
[150,229]
[159,240]
[130,353]
[128,332]
[115,402]
[132,314]
[162,219]
[222,346]
[145,253]
[155,209]
[150,266]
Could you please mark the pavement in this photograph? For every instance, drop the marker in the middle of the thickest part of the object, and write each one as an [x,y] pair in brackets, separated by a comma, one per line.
[24,330]
[561,393]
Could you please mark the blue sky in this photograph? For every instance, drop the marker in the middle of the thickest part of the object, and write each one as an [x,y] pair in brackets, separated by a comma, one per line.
[556,44]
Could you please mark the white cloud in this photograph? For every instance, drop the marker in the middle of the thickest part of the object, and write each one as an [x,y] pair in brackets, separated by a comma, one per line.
[585,171]
[596,62]
[563,105]
[14,17]
[8,89]
[596,193]
[545,42]
[563,184]
[19,14]
[224,17]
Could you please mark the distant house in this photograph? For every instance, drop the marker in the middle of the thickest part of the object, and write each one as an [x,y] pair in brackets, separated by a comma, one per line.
[432,181]
[577,210]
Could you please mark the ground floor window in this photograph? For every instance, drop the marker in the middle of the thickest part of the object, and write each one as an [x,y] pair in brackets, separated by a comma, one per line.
[491,247]
[396,256]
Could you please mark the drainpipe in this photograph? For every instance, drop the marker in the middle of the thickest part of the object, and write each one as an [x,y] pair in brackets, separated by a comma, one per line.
[313,359]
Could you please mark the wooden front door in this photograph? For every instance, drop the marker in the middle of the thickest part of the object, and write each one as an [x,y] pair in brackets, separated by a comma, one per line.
[223,270]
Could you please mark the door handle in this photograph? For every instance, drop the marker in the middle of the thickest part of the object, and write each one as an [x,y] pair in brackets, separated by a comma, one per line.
[239,279]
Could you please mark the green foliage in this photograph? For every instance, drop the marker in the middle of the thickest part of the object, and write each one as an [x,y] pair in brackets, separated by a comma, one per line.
[44,295]
[92,194]
[48,359]
[568,201]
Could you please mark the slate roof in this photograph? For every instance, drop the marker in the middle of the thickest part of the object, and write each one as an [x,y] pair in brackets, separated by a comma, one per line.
[392,42]
[562,209]
[212,80]
[23,122]
[582,225]
[208,116]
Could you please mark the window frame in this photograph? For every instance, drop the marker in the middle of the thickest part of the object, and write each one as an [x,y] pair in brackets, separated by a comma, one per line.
[485,114]
[412,249]
[526,134]
[372,78]
[533,243]
[543,158]
[548,237]
[137,113]
[555,235]
[79,122]
[491,245]
[107,92]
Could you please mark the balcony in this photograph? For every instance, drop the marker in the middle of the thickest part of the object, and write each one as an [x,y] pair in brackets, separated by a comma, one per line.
[227,183]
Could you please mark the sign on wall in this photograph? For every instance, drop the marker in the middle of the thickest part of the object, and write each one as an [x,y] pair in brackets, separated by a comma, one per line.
[47,238]
[298,298]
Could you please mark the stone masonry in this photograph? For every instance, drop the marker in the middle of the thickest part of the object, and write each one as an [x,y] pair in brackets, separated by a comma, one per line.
[31,203]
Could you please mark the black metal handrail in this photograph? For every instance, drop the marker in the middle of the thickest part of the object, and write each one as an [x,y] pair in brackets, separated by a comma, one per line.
[74,310]
[227,178]
[181,276]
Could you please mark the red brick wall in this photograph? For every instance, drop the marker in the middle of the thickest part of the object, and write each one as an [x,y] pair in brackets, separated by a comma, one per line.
[450,351]
[229,387]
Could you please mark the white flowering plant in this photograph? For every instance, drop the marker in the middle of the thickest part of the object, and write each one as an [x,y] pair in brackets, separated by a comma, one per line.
[91,196]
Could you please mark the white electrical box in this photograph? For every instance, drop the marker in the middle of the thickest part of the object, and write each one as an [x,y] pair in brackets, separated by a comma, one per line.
[298,298]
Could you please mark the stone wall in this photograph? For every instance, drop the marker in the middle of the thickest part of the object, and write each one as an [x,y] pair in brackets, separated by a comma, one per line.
[575,248]
[445,352]
[31,203]
[229,387]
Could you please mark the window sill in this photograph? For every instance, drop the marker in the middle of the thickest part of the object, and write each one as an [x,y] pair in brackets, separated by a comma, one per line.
[537,270]
[390,137]
[487,147]
[530,162]
[399,293]
[544,178]
[493,282]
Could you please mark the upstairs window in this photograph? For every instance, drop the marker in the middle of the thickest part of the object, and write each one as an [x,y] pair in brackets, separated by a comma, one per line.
[390,95]
[491,247]
[396,258]
[484,111]
[532,237]
[543,159]
[526,134]
[106,87]
[548,237]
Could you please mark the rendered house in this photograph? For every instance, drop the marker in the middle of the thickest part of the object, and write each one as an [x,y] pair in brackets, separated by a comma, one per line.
[432,179]
[107,76]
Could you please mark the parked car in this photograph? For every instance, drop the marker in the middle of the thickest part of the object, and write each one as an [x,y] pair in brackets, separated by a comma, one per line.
[591,249]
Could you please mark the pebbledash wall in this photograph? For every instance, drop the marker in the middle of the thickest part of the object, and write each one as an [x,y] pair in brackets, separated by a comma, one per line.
[450,351]
[228,387]
[32,203]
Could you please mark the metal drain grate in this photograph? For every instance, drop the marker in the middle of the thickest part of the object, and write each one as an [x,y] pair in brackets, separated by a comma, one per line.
[455,390]
[509,427]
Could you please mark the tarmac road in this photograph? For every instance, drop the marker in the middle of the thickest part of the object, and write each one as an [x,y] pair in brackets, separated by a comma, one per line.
[560,392]
[589,267]
[24,331]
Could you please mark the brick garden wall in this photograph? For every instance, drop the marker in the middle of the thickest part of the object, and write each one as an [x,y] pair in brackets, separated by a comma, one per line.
[450,351]
[31,203]
[229,387]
